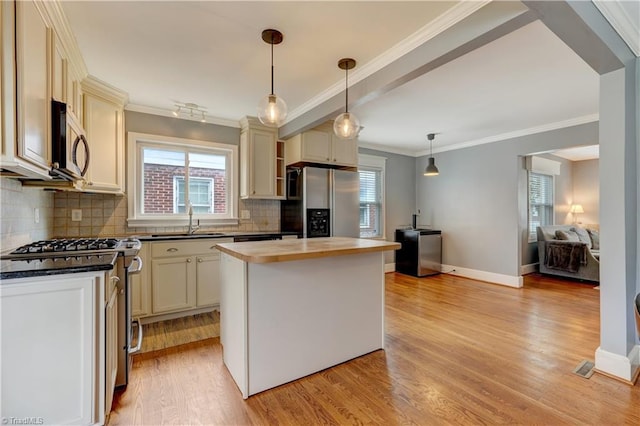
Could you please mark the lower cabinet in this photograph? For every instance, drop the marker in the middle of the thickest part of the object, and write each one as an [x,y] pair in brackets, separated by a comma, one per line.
[183,276]
[53,348]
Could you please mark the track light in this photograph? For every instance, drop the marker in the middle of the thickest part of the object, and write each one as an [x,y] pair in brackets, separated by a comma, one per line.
[190,110]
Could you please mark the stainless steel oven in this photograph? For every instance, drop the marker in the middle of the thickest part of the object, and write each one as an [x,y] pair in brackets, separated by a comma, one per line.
[128,263]
[129,330]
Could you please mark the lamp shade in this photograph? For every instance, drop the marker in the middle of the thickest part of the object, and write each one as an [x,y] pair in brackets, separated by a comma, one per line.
[431,169]
[272,111]
[576,208]
[346,126]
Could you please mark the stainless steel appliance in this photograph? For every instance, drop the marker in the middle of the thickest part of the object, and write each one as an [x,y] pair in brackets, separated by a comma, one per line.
[87,250]
[421,252]
[70,150]
[321,203]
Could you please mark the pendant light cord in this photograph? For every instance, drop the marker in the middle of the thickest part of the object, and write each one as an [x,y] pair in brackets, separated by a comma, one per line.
[346,91]
[272,92]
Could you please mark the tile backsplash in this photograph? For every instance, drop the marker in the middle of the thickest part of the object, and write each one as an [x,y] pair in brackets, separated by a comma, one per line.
[106,215]
[18,209]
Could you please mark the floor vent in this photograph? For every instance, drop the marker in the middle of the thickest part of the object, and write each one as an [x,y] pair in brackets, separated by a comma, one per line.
[584,369]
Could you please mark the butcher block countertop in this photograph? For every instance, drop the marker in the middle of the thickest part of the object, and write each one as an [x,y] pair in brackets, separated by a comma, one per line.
[303,248]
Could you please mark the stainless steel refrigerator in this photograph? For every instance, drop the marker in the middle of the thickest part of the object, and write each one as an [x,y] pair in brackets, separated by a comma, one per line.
[322,202]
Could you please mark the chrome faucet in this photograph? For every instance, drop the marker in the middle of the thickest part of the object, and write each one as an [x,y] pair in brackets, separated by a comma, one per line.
[192,228]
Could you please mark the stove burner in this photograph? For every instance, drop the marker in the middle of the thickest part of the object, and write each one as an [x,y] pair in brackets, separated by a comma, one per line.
[68,245]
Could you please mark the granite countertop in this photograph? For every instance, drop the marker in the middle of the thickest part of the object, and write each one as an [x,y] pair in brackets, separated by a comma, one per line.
[305,248]
[205,234]
[35,268]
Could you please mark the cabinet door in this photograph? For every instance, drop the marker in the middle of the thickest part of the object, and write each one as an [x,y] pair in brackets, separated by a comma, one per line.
[173,284]
[111,346]
[207,279]
[263,164]
[51,355]
[316,146]
[33,55]
[344,151]
[104,127]
[59,72]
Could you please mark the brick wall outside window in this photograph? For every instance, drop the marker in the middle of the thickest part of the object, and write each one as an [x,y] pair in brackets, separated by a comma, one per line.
[158,186]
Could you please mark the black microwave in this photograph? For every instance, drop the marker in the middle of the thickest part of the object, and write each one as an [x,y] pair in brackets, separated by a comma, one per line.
[70,150]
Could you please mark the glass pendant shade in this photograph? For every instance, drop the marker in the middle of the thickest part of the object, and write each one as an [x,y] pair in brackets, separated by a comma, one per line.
[346,126]
[431,169]
[272,111]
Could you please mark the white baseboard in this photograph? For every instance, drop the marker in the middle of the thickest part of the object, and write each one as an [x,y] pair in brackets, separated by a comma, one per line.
[389,267]
[475,274]
[623,367]
[528,269]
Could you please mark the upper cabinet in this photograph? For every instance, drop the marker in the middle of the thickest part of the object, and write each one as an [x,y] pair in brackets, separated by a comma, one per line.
[103,115]
[262,166]
[27,43]
[320,145]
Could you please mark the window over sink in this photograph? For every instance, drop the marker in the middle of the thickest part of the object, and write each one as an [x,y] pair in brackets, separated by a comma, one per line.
[168,174]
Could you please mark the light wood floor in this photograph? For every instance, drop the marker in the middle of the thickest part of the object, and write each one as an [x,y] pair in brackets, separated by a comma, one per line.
[457,352]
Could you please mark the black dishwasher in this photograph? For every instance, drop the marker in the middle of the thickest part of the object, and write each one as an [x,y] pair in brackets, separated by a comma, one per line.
[421,252]
[260,237]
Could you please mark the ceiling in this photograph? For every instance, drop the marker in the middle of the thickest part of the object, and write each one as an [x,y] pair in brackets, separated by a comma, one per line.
[212,54]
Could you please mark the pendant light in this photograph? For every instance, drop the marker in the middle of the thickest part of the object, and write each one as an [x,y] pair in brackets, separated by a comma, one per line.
[272,110]
[346,125]
[431,169]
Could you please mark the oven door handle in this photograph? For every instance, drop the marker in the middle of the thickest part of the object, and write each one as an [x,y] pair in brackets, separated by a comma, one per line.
[138,260]
[139,344]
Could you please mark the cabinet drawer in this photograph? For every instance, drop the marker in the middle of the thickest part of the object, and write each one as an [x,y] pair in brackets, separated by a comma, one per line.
[186,247]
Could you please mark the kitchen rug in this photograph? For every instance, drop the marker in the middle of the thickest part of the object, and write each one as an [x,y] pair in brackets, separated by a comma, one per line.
[178,331]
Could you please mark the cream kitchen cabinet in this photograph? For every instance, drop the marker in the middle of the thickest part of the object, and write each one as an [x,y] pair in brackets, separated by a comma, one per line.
[27,40]
[262,165]
[184,275]
[321,146]
[53,357]
[103,119]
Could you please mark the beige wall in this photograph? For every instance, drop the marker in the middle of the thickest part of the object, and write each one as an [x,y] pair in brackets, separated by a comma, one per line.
[17,214]
[586,190]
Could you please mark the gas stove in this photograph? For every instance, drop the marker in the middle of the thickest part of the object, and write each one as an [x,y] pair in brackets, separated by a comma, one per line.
[74,248]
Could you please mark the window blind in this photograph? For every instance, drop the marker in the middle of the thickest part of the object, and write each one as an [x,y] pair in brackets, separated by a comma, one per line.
[540,202]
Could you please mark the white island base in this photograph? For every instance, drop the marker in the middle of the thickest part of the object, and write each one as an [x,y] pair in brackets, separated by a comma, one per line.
[285,320]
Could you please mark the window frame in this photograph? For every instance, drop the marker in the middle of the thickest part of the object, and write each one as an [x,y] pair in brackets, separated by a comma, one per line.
[532,234]
[376,163]
[136,142]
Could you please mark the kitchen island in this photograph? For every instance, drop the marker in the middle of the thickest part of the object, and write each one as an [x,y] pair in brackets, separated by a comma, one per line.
[291,308]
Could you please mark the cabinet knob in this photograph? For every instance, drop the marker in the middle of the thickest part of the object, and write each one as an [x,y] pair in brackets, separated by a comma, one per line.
[328,158]
[335,159]
[90,183]
[188,260]
[172,249]
[199,260]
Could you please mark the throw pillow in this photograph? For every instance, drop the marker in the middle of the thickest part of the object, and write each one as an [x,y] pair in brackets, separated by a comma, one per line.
[595,239]
[583,235]
[567,236]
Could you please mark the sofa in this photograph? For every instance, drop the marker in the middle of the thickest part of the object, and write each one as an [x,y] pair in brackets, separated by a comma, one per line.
[569,251]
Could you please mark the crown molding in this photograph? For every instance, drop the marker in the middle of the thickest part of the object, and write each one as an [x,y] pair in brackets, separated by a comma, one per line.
[169,113]
[448,19]
[54,11]
[516,134]
[386,148]
[104,90]
[624,25]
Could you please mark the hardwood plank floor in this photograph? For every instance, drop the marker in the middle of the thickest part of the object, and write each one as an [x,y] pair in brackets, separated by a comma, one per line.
[457,352]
